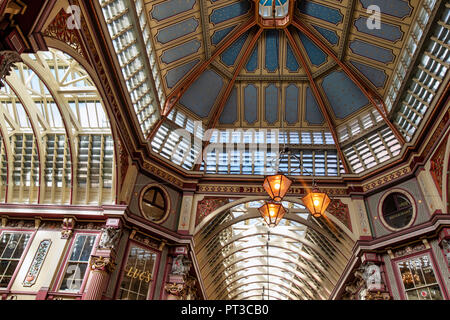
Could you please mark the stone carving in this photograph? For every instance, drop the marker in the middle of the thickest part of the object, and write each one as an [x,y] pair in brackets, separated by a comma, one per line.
[446,247]
[372,276]
[110,238]
[7,61]
[180,265]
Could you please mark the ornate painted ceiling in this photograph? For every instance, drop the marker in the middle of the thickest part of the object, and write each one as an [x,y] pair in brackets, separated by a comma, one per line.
[328,75]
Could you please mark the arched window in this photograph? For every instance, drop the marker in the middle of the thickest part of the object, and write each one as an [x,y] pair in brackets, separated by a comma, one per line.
[57,145]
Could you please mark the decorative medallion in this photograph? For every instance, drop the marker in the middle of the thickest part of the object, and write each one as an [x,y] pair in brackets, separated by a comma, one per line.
[208,205]
[37,263]
[340,210]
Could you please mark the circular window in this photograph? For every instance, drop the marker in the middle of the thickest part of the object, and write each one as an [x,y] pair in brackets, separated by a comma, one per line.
[397,210]
[154,204]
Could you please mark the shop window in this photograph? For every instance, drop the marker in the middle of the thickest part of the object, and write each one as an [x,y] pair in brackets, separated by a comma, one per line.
[419,279]
[397,210]
[77,263]
[12,246]
[154,204]
[137,278]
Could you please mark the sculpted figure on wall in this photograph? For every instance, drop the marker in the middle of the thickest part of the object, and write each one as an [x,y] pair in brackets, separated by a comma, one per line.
[110,238]
[180,265]
[372,276]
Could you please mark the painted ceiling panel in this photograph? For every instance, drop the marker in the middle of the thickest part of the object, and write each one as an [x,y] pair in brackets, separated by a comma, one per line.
[202,107]
[229,114]
[330,35]
[320,11]
[376,76]
[230,55]
[396,8]
[343,95]
[271,103]
[219,35]
[180,51]
[291,61]
[174,75]
[372,51]
[171,8]
[177,30]
[230,11]
[252,63]
[315,54]
[313,114]
[272,50]
[386,31]
[291,104]
[251,103]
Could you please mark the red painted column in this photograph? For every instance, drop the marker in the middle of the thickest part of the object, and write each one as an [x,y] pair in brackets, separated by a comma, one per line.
[101,268]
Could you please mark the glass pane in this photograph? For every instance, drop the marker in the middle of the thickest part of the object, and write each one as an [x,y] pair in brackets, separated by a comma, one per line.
[137,275]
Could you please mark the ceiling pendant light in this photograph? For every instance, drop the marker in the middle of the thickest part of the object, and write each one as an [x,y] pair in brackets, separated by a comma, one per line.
[277,186]
[316,202]
[272,213]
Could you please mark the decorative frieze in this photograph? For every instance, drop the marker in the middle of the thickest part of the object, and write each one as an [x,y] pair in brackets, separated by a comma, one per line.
[37,263]
[410,249]
[227,189]
[387,179]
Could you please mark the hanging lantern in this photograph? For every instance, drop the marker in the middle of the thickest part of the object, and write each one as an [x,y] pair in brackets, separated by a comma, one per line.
[272,213]
[316,202]
[277,186]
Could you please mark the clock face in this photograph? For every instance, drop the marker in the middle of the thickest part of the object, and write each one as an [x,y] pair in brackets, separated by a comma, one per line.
[154,204]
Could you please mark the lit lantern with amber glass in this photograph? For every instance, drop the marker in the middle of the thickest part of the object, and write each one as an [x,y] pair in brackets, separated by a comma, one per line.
[272,213]
[316,202]
[277,186]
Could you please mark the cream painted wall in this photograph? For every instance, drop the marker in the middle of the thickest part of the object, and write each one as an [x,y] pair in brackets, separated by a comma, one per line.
[50,265]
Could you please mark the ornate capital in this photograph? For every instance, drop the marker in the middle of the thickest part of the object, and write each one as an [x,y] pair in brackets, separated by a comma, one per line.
[7,61]
[103,264]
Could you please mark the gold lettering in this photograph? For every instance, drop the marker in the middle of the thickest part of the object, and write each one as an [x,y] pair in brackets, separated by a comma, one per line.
[136,273]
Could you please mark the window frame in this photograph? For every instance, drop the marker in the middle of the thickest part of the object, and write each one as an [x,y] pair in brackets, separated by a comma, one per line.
[437,272]
[167,202]
[411,199]
[63,265]
[152,289]
[7,289]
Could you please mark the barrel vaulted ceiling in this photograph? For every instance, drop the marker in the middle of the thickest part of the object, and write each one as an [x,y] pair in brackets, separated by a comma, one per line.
[328,77]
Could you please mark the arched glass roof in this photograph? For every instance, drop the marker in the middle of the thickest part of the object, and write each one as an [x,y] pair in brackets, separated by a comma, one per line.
[241,257]
[56,141]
